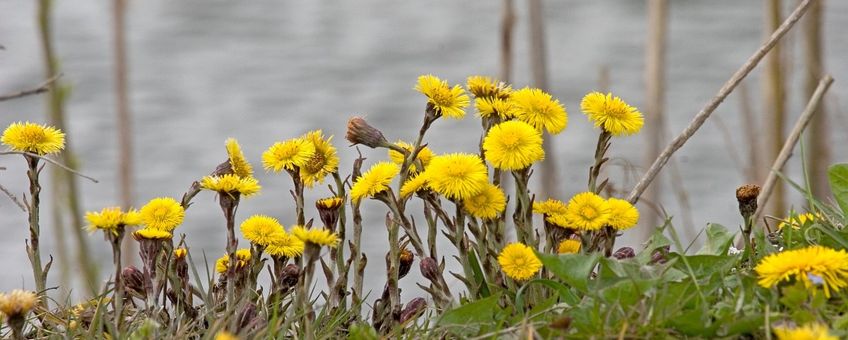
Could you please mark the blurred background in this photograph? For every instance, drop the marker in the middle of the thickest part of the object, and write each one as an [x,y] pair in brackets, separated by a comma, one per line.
[151,89]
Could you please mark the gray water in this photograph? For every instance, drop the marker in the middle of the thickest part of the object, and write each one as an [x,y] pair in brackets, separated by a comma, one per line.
[262,71]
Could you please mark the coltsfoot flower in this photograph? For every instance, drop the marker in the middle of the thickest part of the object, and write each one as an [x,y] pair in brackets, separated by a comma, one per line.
[612,114]
[486,87]
[324,160]
[519,262]
[374,181]
[231,184]
[797,221]
[287,246]
[33,138]
[447,101]
[549,207]
[539,109]
[414,184]
[289,155]
[163,213]
[569,246]
[805,264]
[262,229]
[811,331]
[241,167]
[623,215]
[151,234]
[111,219]
[487,204]
[242,257]
[17,303]
[586,211]
[495,107]
[513,145]
[316,236]
[424,155]
[457,175]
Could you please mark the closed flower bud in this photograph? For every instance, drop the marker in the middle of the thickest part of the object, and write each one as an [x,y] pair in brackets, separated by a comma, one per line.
[406,258]
[248,316]
[290,276]
[412,309]
[133,279]
[328,210]
[360,132]
[747,197]
[430,269]
[624,253]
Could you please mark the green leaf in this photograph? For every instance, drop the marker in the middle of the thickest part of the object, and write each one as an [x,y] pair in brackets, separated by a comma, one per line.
[574,269]
[362,331]
[718,240]
[565,293]
[657,241]
[625,293]
[479,278]
[477,312]
[838,176]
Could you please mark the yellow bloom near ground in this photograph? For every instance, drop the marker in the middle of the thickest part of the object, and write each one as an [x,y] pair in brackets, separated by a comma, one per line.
[568,246]
[812,331]
[287,246]
[814,262]
[288,155]
[587,211]
[519,262]
[163,213]
[316,236]
[111,218]
[241,167]
[797,221]
[324,160]
[448,101]
[539,109]
[230,184]
[33,138]
[223,262]
[262,229]
[457,175]
[374,181]
[151,234]
[623,215]
[612,114]
[488,204]
[513,145]
[17,303]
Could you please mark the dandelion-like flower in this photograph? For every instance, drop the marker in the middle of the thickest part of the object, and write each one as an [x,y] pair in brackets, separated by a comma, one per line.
[539,109]
[488,204]
[242,258]
[287,246]
[329,210]
[163,213]
[424,155]
[513,145]
[151,234]
[623,215]
[111,219]
[288,155]
[485,87]
[797,221]
[261,229]
[587,211]
[457,175]
[569,246]
[33,138]
[316,236]
[374,181]
[519,262]
[811,331]
[447,101]
[612,114]
[231,184]
[323,162]
[495,107]
[825,264]
[241,167]
[180,253]
[17,303]
[549,207]
[414,184]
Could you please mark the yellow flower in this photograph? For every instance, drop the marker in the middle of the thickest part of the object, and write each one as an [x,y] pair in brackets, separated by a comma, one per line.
[810,331]
[537,108]
[612,114]
[224,335]
[33,138]
[495,107]
[329,203]
[287,246]
[374,181]
[163,213]
[623,215]
[587,211]
[414,184]
[519,262]
[513,145]
[485,87]
[814,262]
[457,175]
[17,303]
[424,155]
[323,162]
[237,161]
[797,221]
[151,234]
[488,204]
[242,256]
[568,246]
[231,184]
[320,237]
[447,101]
[290,154]
[180,253]
[261,229]
[110,219]
[549,207]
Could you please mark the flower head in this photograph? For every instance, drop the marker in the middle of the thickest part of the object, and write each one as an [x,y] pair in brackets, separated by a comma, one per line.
[414,184]
[513,145]
[519,262]
[223,262]
[151,234]
[797,221]
[539,109]
[360,132]
[111,219]
[374,181]
[224,335]
[424,155]
[447,101]
[488,204]
[33,138]
[329,210]
[495,107]
[322,163]
[287,246]
[163,213]
[180,253]
[261,229]
[587,211]
[826,264]
[17,303]
[316,236]
[290,154]
[231,184]
[623,215]
[811,331]
[457,175]
[485,87]
[612,114]
[569,246]
[238,163]
[549,207]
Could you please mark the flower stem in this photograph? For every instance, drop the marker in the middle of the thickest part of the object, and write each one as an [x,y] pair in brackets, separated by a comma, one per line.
[600,152]
[119,282]
[34,251]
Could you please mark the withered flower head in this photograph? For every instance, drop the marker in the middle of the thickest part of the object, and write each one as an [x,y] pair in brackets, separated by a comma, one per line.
[747,197]
[624,253]
[412,309]
[406,257]
[290,275]
[360,132]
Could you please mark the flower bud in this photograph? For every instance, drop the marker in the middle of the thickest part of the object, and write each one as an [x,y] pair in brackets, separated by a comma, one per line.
[328,211]
[290,275]
[624,253]
[430,269]
[360,132]
[412,309]
[133,279]
[747,197]
[406,258]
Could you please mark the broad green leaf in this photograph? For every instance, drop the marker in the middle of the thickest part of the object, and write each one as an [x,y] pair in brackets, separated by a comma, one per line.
[838,176]
[718,240]
[574,269]
[362,331]
[477,312]
[479,278]
[627,292]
